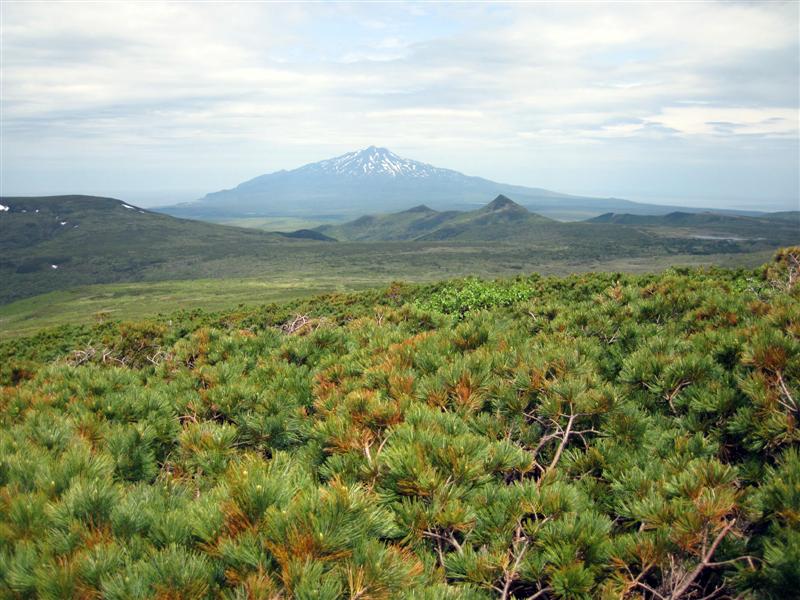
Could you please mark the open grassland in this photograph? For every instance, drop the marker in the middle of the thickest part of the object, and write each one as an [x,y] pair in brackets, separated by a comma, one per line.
[376,267]
[103,302]
[285,224]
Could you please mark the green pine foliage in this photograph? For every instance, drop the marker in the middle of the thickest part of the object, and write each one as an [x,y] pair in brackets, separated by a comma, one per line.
[597,436]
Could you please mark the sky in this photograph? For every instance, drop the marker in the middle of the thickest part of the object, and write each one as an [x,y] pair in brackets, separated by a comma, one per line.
[694,103]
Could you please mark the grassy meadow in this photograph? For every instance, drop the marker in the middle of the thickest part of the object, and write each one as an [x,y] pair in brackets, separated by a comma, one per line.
[125,301]
[283,224]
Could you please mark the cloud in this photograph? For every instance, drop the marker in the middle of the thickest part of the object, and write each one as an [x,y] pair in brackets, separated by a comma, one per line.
[288,81]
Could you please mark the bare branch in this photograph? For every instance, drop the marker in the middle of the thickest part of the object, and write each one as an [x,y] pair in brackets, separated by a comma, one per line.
[705,562]
[518,553]
[295,324]
[562,445]
[790,402]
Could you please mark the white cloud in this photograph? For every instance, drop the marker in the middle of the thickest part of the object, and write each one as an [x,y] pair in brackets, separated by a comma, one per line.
[437,113]
[441,80]
[698,120]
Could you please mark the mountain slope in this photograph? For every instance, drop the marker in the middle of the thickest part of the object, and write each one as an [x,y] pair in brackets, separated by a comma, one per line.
[501,220]
[501,217]
[405,225]
[376,180]
[787,215]
[780,228]
[505,222]
[78,220]
[53,242]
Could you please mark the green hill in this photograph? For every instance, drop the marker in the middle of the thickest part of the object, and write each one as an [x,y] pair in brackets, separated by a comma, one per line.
[105,241]
[307,234]
[786,215]
[783,227]
[503,220]
[402,226]
[55,242]
[595,436]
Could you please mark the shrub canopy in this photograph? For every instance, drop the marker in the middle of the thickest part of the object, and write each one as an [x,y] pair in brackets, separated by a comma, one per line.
[596,436]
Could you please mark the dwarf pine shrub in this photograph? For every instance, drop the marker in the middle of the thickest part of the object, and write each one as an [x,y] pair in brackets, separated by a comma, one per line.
[593,436]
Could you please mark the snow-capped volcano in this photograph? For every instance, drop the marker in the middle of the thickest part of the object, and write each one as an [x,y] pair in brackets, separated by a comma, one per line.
[376,180]
[373,161]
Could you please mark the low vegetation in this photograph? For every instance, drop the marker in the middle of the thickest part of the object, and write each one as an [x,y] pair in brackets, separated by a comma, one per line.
[59,243]
[593,436]
[503,220]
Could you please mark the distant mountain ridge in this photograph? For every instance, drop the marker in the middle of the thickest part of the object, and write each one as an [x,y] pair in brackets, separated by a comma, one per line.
[693,218]
[59,242]
[781,226]
[376,180]
[503,220]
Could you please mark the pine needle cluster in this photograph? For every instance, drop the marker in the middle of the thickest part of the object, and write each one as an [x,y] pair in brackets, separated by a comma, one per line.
[596,436]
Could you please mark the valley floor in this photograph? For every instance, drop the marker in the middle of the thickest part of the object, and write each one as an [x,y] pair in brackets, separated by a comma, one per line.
[92,303]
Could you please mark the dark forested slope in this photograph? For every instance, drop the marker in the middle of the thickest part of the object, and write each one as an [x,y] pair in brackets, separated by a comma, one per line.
[54,242]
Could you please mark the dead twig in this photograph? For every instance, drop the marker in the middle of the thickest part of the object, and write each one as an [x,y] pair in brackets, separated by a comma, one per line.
[295,324]
[689,579]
